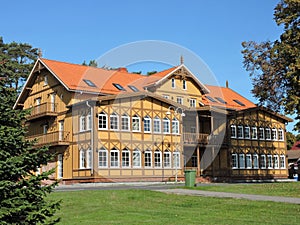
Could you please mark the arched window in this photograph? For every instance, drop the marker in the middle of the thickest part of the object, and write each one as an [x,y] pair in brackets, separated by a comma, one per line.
[125,158]
[157,125]
[166,125]
[175,126]
[102,121]
[148,158]
[176,159]
[102,158]
[114,158]
[167,159]
[82,123]
[136,158]
[147,124]
[114,121]
[82,159]
[157,159]
[125,122]
[136,124]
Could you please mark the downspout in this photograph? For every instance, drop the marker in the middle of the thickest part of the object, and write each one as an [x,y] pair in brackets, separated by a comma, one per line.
[92,136]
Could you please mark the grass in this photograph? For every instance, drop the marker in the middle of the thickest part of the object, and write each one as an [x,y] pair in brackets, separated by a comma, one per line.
[147,207]
[291,189]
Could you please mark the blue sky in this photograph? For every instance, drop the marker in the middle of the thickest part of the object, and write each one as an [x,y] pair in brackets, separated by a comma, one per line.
[74,31]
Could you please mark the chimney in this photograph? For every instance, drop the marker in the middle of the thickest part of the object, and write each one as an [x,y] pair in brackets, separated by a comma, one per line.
[227,84]
[122,69]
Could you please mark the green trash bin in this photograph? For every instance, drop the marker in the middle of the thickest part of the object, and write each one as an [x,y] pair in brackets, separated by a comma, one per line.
[190,178]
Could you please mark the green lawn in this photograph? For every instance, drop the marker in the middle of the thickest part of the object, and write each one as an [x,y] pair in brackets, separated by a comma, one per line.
[147,207]
[275,189]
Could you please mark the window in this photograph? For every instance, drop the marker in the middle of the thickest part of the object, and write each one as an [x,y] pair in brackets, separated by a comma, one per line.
[156,125]
[176,159]
[184,86]
[261,133]
[136,126]
[173,83]
[125,158]
[102,121]
[82,123]
[268,134]
[102,158]
[175,126]
[233,131]
[157,158]
[60,166]
[147,124]
[125,122]
[114,121]
[133,88]
[221,100]
[247,132]
[89,121]
[263,162]
[167,159]
[242,161]
[82,159]
[136,158]
[274,134]
[193,103]
[114,158]
[45,128]
[255,161]
[240,133]
[249,161]
[239,102]
[148,158]
[180,100]
[280,134]
[276,162]
[119,87]
[270,162]
[45,80]
[166,126]
[211,99]
[166,96]
[89,158]
[89,83]
[282,161]
[234,161]
[253,132]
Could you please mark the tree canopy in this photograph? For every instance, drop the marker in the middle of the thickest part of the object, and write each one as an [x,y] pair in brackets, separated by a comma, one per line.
[274,66]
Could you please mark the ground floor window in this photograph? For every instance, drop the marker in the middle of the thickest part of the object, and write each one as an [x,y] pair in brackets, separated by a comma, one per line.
[136,158]
[176,159]
[157,158]
[282,161]
[148,158]
[85,158]
[125,158]
[167,159]
[114,158]
[102,158]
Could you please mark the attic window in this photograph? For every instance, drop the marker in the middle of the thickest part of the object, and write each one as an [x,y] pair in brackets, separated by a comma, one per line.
[90,83]
[133,88]
[239,102]
[221,100]
[119,87]
[210,99]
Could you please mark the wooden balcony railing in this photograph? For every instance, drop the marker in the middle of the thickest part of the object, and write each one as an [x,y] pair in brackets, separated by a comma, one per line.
[44,109]
[52,139]
[195,138]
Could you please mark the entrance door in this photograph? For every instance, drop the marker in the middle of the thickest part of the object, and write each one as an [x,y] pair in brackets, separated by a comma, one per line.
[61,130]
[59,166]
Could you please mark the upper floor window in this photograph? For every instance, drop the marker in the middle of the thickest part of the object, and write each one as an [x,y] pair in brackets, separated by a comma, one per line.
[193,103]
[45,80]
[247,132]
[175,126]
[233,131]
[125,124]
[136,125]
[179,100]
[119,87]
[166,125]
[253,132]
[82,123]
[147,124]
[173,83]
[240,133]
[157,125]
[184,85]
[280,134]
[274,134]
[114,121]
[89,121]
[89,83]
[261,133]
[166,96]
[102,121]
[268,134]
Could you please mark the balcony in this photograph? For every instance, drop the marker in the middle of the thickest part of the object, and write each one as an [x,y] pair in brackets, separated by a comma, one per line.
[195,138]
[43,110]
[58,138]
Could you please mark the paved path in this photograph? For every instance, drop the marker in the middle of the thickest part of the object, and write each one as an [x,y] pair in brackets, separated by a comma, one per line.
[291,200]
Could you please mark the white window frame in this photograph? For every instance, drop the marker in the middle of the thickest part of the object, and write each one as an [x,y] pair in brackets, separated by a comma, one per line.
[255,161]
[176,160]
[156,125]
[102,121]
[276,161]
[136,158]
[157,159]
[82,123]
[125,122]
[102,154]
[263,161]
[193,102]
[282,162]
[247,132]
[114,121]
[248,161]
[126,158]
[242,161]
[261,133]
[173,83]
[46,81]
[114,154]
[136,120]
[147,156]
[233,131]
[240,134]
[280,134]
[234,159]
[89,121]
[179,100]
[184,85]
[269,161]
[167,159]
[175,126]
[166,125]
[89,158]
[60,169]
[166,96]
[254,133]
[268,134]
[274,134]
[147,124]
[82,159]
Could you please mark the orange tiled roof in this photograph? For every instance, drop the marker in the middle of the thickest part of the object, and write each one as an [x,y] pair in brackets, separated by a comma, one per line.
[227,95]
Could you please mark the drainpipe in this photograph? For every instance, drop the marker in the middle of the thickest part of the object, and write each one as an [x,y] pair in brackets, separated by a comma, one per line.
[92,136]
